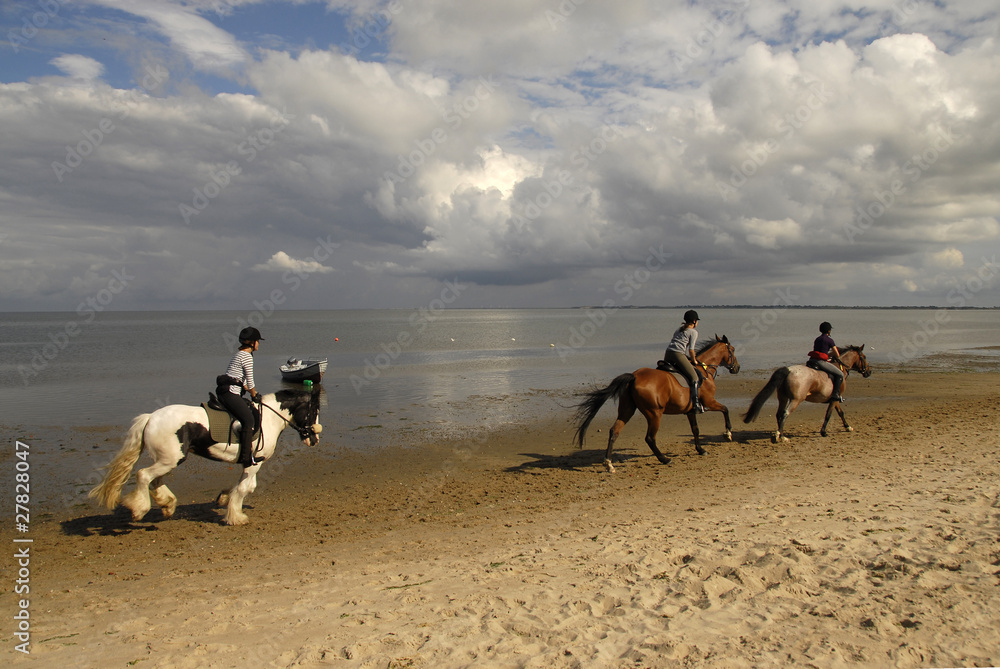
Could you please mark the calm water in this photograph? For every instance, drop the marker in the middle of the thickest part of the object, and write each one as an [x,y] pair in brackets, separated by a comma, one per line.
[67,384]
[58,369]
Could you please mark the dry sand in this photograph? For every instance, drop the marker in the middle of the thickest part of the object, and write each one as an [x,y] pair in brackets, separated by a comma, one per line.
[875,548]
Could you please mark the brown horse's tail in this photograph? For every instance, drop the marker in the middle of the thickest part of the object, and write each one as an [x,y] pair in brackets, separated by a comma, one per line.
[595,399]
[757,404]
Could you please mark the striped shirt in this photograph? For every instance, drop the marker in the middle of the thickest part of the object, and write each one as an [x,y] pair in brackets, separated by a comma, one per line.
[241,367]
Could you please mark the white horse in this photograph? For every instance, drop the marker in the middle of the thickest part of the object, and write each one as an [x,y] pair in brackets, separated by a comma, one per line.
[171,433]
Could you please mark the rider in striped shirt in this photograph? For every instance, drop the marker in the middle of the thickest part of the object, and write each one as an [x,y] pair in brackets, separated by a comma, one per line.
[240,371]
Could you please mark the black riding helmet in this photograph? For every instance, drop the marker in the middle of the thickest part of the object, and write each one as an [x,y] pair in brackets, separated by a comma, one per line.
[250,335]
[690,316]
[825,328]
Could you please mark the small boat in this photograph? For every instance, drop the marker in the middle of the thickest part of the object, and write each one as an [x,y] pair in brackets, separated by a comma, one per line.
[297,370]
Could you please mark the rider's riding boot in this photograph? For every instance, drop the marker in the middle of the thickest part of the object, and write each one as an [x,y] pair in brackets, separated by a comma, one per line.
[246,453]
[696,400]
[247,458]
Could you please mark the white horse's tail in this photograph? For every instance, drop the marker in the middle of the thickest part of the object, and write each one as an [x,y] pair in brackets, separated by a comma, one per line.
[109,491]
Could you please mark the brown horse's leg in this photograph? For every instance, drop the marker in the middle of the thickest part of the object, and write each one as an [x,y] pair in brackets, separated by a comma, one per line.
[844,418]
[626,409]
[711,404]
[652,427]
[826,419]
[782,414]
[693,420]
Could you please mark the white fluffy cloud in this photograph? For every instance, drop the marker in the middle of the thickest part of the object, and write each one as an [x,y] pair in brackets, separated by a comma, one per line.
[79,67]
[282,262]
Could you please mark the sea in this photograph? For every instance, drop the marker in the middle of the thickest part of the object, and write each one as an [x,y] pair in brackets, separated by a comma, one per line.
[70,383]
[444,368]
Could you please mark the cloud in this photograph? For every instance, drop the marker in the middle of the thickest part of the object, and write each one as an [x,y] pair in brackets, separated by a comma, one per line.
[207,46]
[76,66]
[282,262]
[537,156]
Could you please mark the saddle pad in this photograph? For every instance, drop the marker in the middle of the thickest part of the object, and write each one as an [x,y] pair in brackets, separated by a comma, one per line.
[219,423]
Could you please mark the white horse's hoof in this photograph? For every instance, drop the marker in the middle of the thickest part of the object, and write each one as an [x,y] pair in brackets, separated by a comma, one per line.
[610,467]
[237,519]
[222,499]
[850,429]
[729,436]
[776,437]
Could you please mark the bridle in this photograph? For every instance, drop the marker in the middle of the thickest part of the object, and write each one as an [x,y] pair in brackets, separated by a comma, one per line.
[730,361]
[862,365]
[307,433]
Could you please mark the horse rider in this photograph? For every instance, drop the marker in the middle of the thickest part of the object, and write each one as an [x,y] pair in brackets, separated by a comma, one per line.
[680,352]
[819,359]
[231,386]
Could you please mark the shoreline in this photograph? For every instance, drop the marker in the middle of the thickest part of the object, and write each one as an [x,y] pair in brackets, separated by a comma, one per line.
[513,548]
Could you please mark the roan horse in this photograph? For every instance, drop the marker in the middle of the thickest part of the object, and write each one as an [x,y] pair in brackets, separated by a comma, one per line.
[799,383]
[656,392]
[169,434]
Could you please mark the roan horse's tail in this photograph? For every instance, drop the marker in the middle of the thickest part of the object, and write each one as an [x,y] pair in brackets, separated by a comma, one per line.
[109,491]
[757,404]
[595,399]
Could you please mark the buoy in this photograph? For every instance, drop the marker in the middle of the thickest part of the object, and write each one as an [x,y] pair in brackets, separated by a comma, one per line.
[336,339]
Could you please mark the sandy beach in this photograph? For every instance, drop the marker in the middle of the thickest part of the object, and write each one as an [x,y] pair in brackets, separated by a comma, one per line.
[873,548]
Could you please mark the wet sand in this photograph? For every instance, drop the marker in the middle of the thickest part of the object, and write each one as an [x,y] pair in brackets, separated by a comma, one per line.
[513,548]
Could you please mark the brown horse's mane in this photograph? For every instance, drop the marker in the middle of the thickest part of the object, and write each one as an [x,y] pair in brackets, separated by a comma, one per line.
[707,345]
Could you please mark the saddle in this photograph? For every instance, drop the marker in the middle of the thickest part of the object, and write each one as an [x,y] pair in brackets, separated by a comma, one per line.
[224,426]
[665,366]
[813,363]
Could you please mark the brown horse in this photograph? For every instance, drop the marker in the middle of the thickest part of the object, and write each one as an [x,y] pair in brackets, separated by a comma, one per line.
[800,383]
[655,392]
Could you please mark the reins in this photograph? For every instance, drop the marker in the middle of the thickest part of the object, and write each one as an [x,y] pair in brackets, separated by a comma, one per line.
[304,432]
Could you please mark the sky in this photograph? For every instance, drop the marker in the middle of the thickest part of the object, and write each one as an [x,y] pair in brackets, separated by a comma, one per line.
[291,154]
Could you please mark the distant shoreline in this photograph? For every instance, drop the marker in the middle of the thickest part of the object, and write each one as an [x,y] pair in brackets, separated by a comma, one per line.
[578,307]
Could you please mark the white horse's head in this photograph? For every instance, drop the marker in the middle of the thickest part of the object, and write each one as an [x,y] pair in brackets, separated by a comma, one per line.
[302,407]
